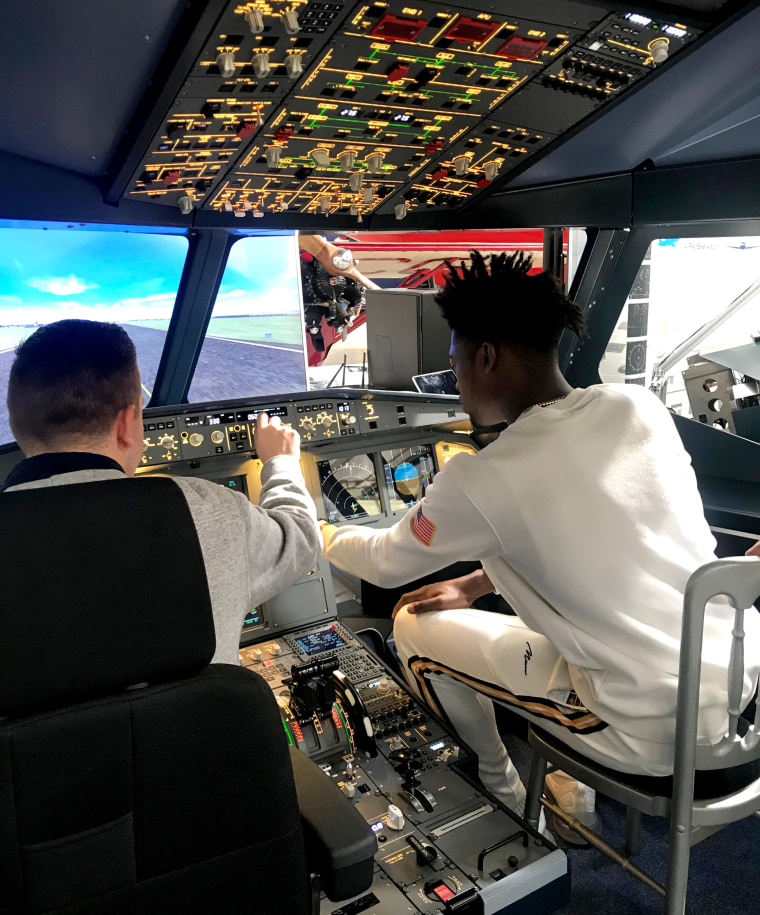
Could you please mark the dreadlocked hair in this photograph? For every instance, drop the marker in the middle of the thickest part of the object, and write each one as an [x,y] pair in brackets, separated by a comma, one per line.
[506,304]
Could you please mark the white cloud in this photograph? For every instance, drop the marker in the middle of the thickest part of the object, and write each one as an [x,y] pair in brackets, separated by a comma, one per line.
[60,285]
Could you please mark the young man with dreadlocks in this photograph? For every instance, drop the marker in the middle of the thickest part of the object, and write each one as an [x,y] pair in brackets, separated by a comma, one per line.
[586,518]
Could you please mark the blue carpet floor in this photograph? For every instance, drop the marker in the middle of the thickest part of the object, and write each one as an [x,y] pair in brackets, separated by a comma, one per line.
[721,876]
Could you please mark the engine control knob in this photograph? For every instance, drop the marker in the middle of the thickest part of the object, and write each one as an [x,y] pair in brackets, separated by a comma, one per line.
[356,181]
[349,789]
[347,159]
[461,164]
[659,49]
[257,655]
[217,436]
[384,685]
[196,439]
[395,817]
[255,21]
[273,154]
[261,65]
[294,65]
[397,743]
[226,63]
[275,649]
[375,162]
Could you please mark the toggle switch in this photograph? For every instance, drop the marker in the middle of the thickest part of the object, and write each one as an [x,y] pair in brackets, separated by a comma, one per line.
[375,162]
[356,181]
[368,195]
[400,210]
[320,157]
[185,205]
[349,789]
[290,23]
[461,164]
[491,170]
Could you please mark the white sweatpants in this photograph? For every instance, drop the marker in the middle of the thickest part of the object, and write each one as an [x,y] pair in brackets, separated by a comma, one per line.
[459,660]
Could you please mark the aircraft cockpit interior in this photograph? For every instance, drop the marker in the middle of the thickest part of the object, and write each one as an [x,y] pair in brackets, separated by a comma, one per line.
[267,196]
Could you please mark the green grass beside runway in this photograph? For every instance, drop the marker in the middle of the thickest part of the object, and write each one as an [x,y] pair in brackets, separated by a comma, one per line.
[283,328]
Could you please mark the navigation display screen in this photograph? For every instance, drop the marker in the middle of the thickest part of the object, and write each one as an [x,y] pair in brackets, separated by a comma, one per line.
[317,642]
[408,472]
[349,487]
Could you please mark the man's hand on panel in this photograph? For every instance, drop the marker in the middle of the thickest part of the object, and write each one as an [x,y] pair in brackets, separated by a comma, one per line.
[272,438]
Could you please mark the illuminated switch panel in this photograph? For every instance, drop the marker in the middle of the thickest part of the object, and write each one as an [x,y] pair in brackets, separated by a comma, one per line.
[326,419]
[636,39]
[258,52]
[471,164]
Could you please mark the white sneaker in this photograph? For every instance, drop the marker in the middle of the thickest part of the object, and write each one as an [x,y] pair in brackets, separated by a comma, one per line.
[575,799]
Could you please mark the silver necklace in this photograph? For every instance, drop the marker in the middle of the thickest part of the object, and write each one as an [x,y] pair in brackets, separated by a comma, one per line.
[544,403]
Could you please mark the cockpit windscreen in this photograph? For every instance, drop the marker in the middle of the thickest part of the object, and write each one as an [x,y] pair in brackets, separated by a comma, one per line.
[408,472]
[349,487]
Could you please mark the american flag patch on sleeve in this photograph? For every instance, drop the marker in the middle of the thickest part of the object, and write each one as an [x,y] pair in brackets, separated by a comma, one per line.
[422,529]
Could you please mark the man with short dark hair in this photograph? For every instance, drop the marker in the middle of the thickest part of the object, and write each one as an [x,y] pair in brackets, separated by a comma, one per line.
[76,411]
[586,517]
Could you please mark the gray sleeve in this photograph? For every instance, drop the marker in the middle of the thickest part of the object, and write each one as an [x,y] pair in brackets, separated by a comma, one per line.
[274,543]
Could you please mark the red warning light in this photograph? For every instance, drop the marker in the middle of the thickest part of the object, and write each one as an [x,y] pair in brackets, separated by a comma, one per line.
[471,31]
[394,28]
[516,48]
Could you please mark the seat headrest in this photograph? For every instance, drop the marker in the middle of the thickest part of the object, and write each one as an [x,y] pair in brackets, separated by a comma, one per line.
[102,587]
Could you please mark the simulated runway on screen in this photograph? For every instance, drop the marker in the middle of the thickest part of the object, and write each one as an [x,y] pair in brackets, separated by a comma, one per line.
[226,368]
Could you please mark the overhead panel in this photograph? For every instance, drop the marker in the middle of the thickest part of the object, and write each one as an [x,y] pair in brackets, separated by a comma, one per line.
[353,109]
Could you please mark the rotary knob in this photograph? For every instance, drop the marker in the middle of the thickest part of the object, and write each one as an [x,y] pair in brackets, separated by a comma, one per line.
[307,425]
[217,436]
[326,420]
[196,439]
[347,419]
[383,685]
[275,650]
[166,441]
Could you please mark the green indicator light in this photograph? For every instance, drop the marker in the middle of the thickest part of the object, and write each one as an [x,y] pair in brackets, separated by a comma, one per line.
[287,731]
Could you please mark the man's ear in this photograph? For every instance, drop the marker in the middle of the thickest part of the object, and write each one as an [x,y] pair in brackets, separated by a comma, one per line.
[490,356]
[124,426]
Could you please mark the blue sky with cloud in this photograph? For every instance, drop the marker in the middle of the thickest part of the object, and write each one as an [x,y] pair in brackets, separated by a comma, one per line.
[117,276]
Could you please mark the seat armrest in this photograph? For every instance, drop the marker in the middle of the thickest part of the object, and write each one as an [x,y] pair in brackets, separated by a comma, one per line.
[340,846]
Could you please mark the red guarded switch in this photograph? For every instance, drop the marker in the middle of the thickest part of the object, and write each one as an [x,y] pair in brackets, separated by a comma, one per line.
[283,134]
[434,145]
[170,178]
[471,31]
[516,48]
[399,71]
[439,173]
[395,28]
[245,130]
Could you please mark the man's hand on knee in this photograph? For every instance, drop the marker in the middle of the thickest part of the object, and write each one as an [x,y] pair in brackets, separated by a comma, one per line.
[455,594]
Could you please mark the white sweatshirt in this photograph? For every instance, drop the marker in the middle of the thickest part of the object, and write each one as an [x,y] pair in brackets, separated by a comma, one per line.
[587,519]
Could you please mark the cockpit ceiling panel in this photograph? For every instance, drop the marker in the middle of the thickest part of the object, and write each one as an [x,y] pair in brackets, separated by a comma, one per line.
[356,108]
[71,74]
